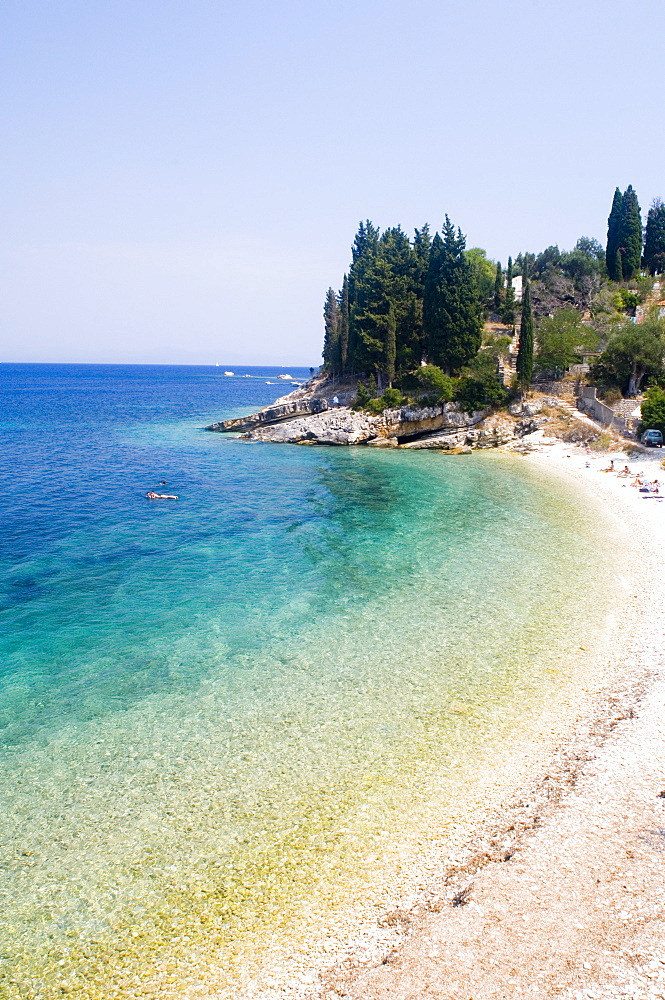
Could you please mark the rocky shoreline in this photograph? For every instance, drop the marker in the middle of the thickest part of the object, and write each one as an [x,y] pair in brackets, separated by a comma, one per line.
[310,416]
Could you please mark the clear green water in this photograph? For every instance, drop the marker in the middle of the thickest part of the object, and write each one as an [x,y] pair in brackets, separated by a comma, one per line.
[222,716]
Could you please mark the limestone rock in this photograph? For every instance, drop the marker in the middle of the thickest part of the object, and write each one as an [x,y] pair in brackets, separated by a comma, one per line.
[342,426]
[271,415]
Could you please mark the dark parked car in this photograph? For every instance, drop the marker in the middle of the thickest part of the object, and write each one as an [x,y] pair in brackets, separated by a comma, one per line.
[652,439]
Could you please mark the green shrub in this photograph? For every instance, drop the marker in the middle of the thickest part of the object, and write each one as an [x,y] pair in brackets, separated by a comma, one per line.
[611,395]
[653,410]
[377,404]
[392,398]
[435,382]
[363,397]
[480,385]
[626,300]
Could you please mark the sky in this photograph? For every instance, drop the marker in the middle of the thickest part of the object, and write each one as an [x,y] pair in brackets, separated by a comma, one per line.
[182,180]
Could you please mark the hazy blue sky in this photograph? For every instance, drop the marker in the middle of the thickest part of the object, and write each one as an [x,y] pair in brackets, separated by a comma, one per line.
[182,179]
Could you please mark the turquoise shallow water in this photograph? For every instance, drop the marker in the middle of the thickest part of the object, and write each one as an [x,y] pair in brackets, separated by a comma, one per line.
[214,711]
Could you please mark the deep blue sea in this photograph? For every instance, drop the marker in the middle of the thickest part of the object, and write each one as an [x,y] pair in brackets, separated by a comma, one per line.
[219,714]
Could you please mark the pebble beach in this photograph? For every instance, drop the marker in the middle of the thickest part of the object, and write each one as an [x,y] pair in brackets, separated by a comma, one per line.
[556,888]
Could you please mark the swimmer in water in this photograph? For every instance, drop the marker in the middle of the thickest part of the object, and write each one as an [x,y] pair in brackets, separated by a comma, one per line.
[151,495]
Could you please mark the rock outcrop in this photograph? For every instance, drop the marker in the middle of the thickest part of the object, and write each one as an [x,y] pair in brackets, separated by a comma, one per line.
[310,415]
[343,426]
[272,415]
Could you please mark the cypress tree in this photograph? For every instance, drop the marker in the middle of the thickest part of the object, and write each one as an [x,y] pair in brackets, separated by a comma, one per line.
[654,241]
[422,247]
[363,253]
[344,323]
[390,344]
[508,312]
[613,223]
[525,351]
[498,288]
[331,353]
[452,322]
[618,264]
[402,280]
[630,234]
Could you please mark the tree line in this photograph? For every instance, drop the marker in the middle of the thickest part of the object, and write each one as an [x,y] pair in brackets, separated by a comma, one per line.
[630,247]
[402,302]
[411,311]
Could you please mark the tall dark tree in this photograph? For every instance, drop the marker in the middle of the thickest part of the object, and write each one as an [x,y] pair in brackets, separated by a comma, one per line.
[422,244]
[331,352]
[613,223]
[403,286]
[508,311]
[618,264]
[452,321]
[498,288]
[344,323]
[390,344]
[524,363]
[363,254]
[654,239]
[630,235]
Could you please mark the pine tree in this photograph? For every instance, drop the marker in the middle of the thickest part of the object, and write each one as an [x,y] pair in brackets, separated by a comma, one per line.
[331,352]
[654,240]
[452,322]
[344,323]
[498,289]
[613,223]
[630,235]
[524,362]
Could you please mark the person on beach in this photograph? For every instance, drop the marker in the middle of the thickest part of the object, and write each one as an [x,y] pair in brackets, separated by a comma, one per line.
[624,472]
[151,495]
[610,467]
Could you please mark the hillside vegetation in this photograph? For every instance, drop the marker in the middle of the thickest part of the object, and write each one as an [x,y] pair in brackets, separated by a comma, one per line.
[426,319]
